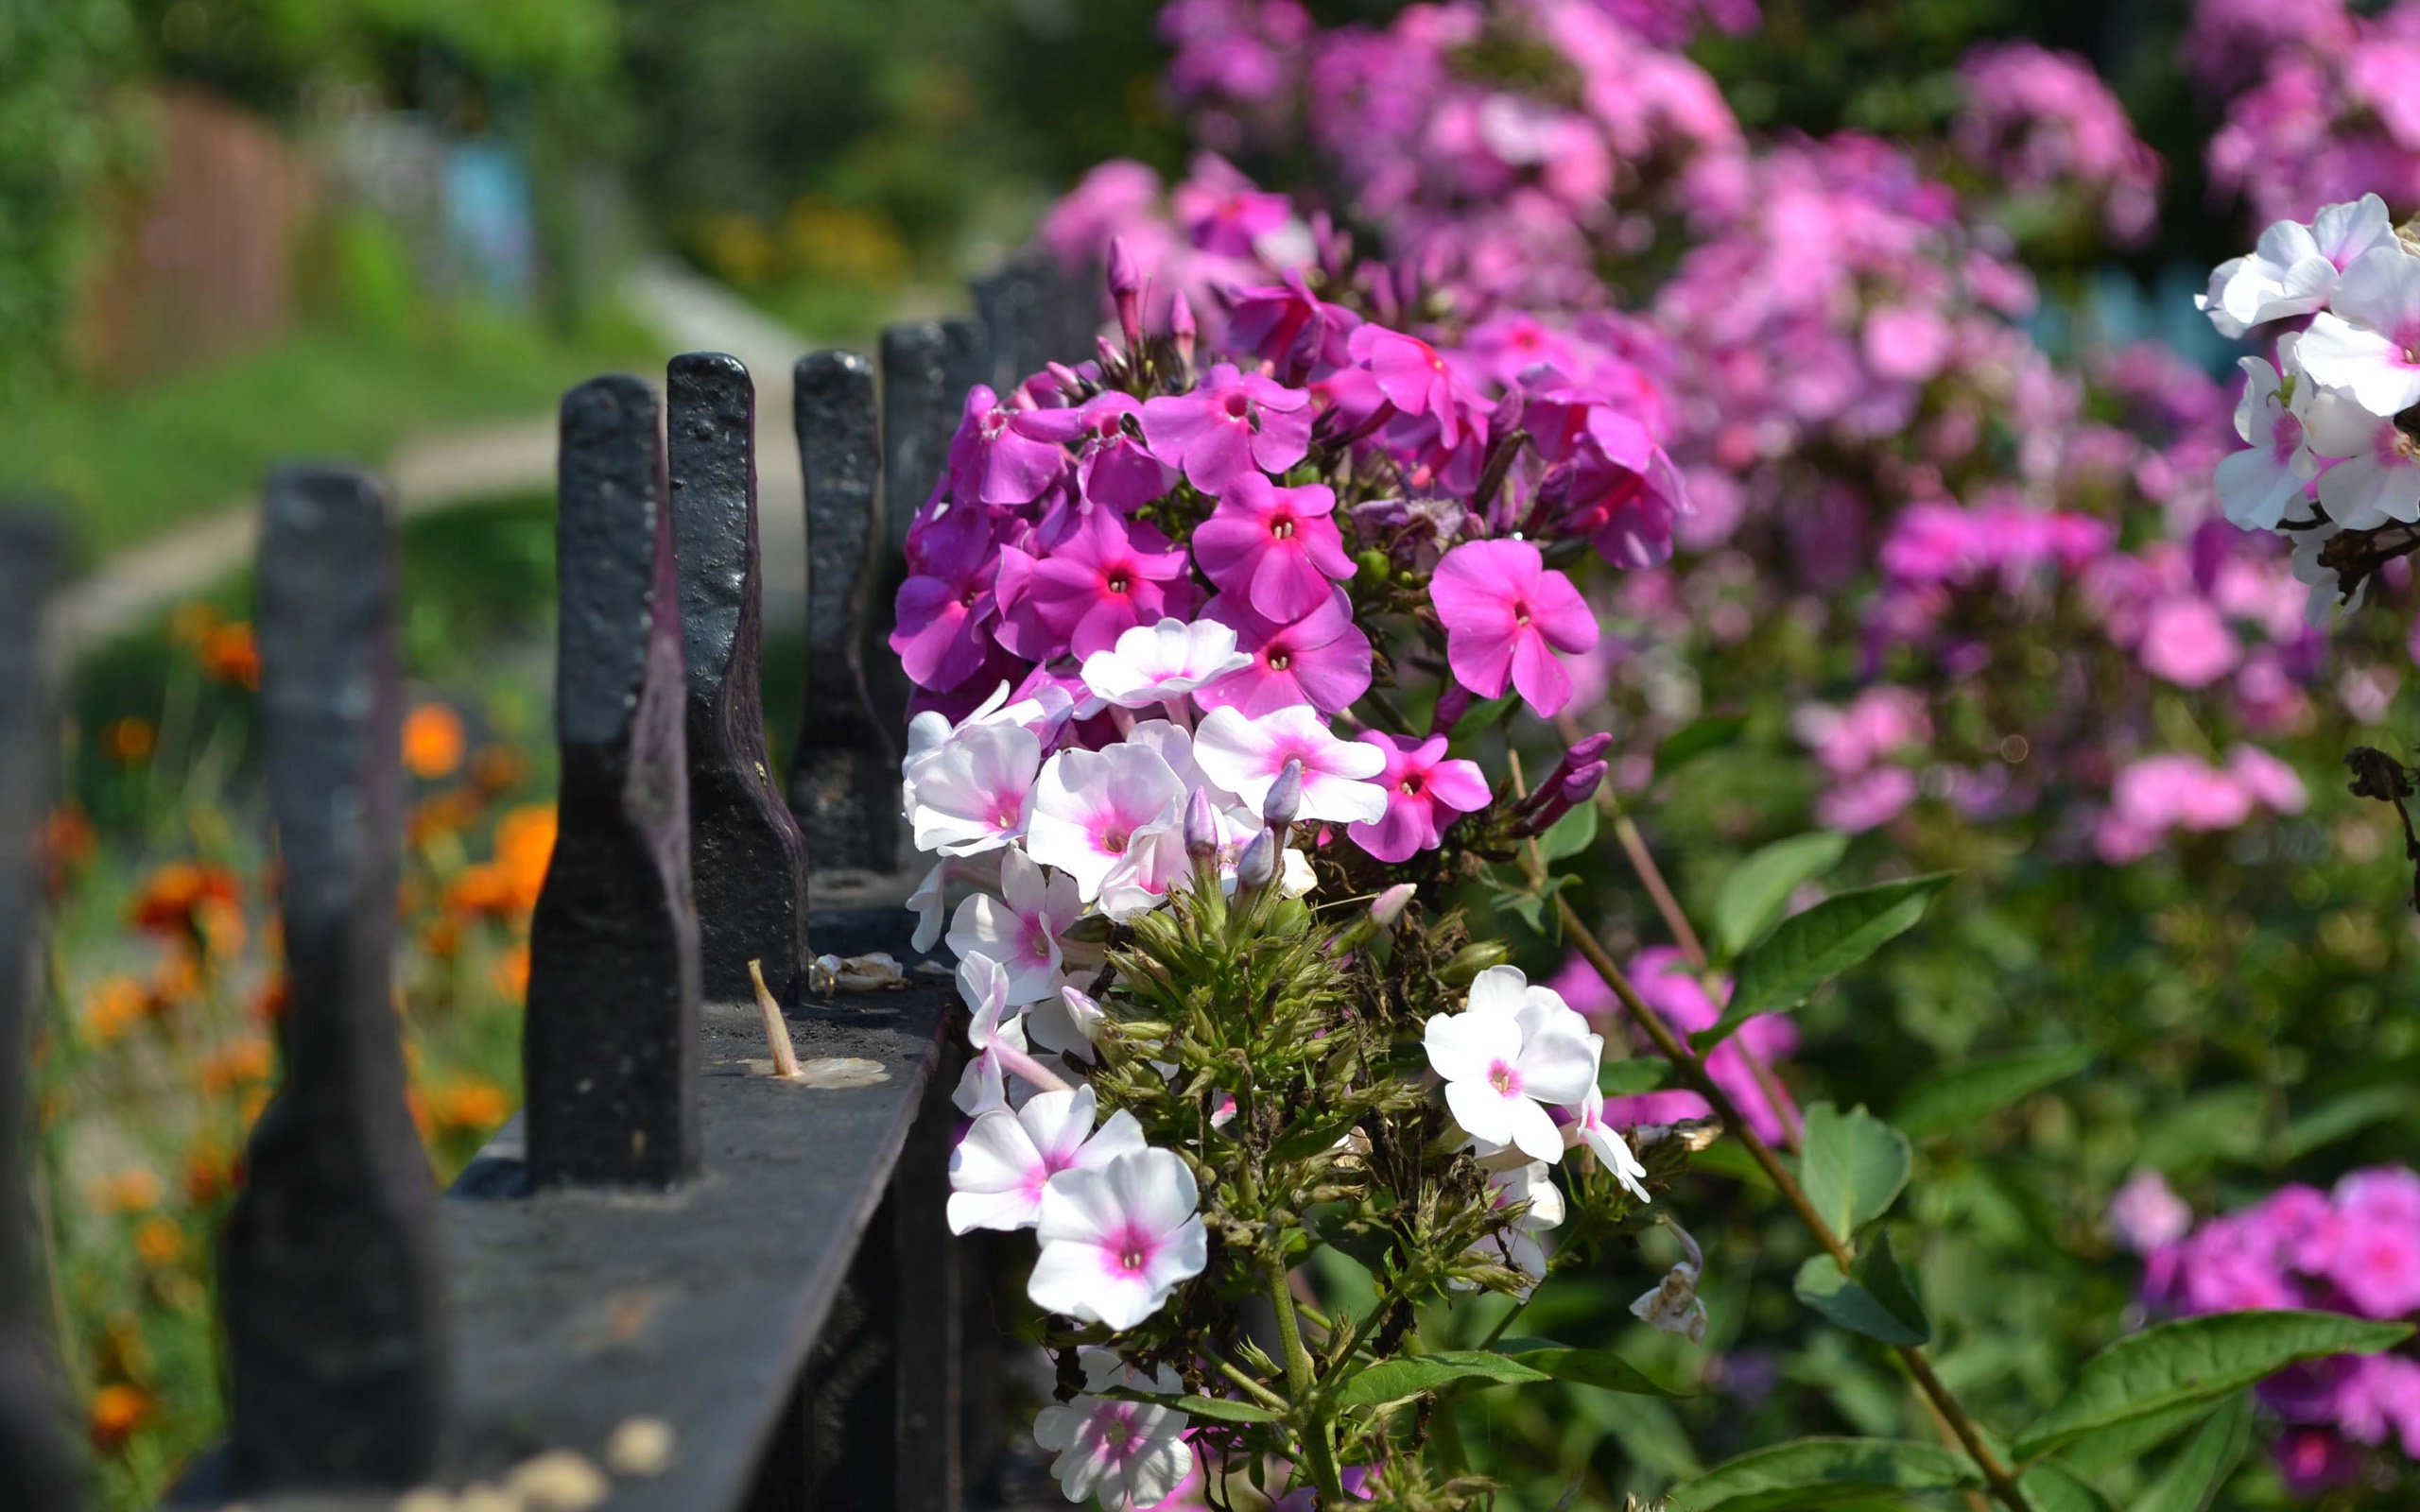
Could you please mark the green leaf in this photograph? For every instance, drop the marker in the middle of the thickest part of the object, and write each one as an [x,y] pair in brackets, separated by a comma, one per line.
[1221,1409]
[1851,1166]
[1752,895]
[1569,835]
[1958,1097]
[2050,1487]
[1694,740]
[1807,950]
[1874,1299]
[2347,1115]
[2200,1359]
[1586,1367]
[1815,1472]
[1632,1074]
[2192,1479]
[1530,906]
[2128,1443]
[1479,717]
[1392,1379]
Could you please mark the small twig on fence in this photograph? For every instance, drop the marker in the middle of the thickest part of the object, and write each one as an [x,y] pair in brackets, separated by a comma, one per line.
[777,1029]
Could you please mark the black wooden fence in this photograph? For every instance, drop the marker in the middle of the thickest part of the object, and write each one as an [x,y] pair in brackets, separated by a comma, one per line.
[719,1288]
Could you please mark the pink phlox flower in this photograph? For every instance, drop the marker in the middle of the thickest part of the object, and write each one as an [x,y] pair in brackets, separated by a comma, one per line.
[1321,659]
[2377,476]
[2378,1401]
[1512,1051]
[1280,547]
[1116,1240]
[2187,642]
[1222,211]
[1422,787]
[2147,1215]
[1001,456]
[1286,324]
[942,610]
[1589,1126]
[1868,800]
[2258,485]
[973,791]
[1020,928]
[2368,338]
[1114,467]
[1088,807]
[1245,755]
[1158,664]
[1002,1162]
[2374,1260]
[1231,423]
[1104,579]
[1883,721]
[1505,616]
[1418,379]
[1129,1454]
[2273,784]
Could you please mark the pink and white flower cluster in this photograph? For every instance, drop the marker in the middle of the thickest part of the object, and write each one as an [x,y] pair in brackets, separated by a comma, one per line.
[2318,101]
[2353,1250]
[2324,451]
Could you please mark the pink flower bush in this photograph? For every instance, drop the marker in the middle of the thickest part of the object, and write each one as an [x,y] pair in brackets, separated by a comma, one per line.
[1745,1065]
[2043,122]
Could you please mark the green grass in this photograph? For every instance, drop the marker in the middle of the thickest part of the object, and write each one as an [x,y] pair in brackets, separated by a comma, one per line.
[125,466]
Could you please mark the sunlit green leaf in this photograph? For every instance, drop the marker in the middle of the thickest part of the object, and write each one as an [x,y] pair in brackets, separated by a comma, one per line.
[1754,892]
[1875,1299]
[1963,1094]
[1807,950]
[1394,1378]
[1586,1367]
[1821,1473]
[2050,1487]
[1632,1074]
[2191,1480]
[1569,835]
[1851,1166]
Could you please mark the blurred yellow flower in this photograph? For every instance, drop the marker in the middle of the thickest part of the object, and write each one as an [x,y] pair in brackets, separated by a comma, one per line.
[112,1006]
[116,1412]
[158,1242]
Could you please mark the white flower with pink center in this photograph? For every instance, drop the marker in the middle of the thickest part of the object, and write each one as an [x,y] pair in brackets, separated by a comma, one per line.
[1089,806]
[2294,269]
[1606,1143]
[1068,1023]
[1043,713]
[1160,663]
[2258,485]
[1117,1240]
[1530,1187]
[971,793]
[1153,863]
[1512,1053]
[1244,756]
[2368,338]
[1020,928]
[996,1031]
[1128,1453]
[2378,479]
[997,1173]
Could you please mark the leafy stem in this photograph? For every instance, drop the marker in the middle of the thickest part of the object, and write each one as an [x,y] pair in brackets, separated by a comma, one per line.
[1319,1449]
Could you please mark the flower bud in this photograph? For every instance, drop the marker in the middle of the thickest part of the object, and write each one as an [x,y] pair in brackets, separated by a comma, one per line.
[1201,826]
[1258,863]
[1070,382]
[1471,960]
[1126,290]
[1285,798]
[1453,700]
[1390,904]
[1181,327]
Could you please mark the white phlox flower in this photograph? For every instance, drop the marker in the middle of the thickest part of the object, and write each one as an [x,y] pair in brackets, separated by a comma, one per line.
[1517,1245]
[1068,1022]
[2295,268]
[1606,1143]
[1245,756]
[1001,1165]
[1159,664]
[984,1083]
[1117,1240]
[1515,1051]
[1020,928]
[1089,806]
[2368,338]
[1128,1453]
[2258,485]
[2377,478]
[972,792]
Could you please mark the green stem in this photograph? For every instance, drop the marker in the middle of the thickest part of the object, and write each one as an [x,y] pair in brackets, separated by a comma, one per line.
[1319,1450]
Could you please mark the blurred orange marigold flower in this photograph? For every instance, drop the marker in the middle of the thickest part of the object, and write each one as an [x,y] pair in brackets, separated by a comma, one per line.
[173,893]
[497,767]
[230,655]
[126,740]
[512,973]
[237,1063]
[482,888]
[524,844]
[112,1006]
[469,1103]
[158,1242]
[210,1173]
[132,1189]
[116,1412]
[433,742]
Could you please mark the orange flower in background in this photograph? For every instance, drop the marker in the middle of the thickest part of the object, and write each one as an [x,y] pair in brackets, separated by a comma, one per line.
[67,843]
[481,889]
[158,1242]
[128,741]
[192,624]
[524,844]
[434,741]
[441,938]
[238,1063]
[446,813]
[270,1002]
[174,893]
[497,767]
[230,654]
[210,1173]
[512,973]
[132,1189]
[468,1103]
[111,1007]
[116,1412]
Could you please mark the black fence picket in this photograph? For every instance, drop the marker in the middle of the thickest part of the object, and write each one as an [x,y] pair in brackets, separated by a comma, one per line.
[37,1472]
[667,1231]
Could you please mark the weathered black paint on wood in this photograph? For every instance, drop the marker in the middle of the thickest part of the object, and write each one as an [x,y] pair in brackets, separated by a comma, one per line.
[328,1267]
[1024,312]
[609,1044]
[36,1470]
[844,773]
[747,861]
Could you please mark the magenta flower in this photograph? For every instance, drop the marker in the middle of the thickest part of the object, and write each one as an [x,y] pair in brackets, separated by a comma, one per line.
[1104,579]
[1223,212]
[1279,547]
[1418,379]
[1420,781]
[1321,659]
[1286,324]
[999,455]
[1113,466]
[1505,616]
[1233,422]
[943,609]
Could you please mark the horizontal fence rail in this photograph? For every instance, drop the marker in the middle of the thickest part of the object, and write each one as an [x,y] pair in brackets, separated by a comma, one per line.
[675,1280]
